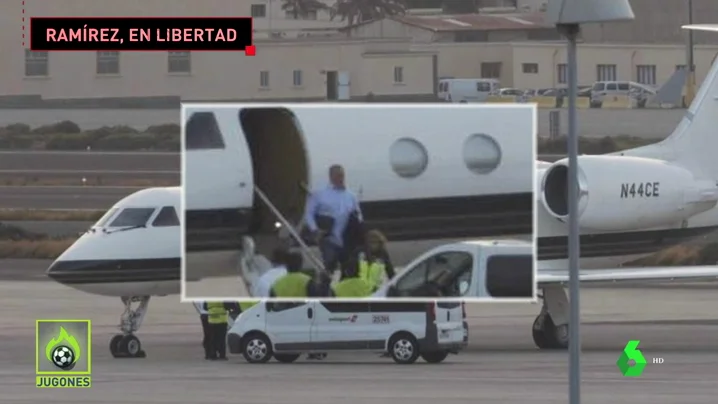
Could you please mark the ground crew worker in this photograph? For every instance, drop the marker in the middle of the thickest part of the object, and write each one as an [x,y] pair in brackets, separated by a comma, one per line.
[351,284]
[295,283]
[374,262]
[217,319]
[203,314]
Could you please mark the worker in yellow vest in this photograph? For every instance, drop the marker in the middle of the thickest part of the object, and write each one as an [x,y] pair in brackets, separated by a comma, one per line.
[352,285]
[217,314]
[246,305]
[294,283]
[374,262]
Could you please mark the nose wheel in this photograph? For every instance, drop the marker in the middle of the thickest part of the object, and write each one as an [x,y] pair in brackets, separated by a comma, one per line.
[126,346]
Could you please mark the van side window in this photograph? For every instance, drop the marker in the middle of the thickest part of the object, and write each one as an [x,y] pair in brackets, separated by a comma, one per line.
[281,306]
[202,132]
[510,276]
[623,86]
[133,217]
[483,87]
[611,86]
[440,275]
[167,217]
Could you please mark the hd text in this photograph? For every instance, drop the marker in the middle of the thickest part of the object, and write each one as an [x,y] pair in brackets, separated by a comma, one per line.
[141,34]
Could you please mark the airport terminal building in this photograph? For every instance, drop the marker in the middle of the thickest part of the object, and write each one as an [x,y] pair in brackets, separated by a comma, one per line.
[315,58]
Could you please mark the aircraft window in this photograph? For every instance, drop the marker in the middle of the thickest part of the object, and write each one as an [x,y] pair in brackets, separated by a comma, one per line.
[440,275]
[482,154]
[104,219]
[510,276]
[283,305]
[408,158]
[202,132]
[133,217]
[166,217]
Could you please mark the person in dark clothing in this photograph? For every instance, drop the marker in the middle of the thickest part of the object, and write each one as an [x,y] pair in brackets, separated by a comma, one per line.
[199,306]
[217,319]
[321,286]
[375,265]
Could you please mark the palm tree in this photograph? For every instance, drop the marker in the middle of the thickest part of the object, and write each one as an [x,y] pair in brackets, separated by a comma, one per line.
[356,11]
[302,8]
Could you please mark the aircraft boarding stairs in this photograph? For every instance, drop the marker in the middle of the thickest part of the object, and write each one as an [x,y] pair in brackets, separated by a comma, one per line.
[253,265]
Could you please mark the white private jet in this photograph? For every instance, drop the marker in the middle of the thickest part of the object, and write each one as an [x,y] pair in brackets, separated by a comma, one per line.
[633,203]
[420,172]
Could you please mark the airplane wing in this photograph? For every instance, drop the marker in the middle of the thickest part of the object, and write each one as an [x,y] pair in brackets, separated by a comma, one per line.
[702,27]
[642,274]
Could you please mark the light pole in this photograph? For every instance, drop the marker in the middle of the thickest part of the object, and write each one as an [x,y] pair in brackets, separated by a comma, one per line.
[690,63]
[568,15]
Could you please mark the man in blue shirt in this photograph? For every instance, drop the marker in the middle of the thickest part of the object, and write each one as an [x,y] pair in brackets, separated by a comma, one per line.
[328,214]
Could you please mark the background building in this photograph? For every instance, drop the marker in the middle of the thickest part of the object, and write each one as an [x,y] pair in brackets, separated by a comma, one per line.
[305,55]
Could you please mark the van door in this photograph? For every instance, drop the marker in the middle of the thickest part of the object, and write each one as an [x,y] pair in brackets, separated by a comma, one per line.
[341,326]
[449,322]
[289,324]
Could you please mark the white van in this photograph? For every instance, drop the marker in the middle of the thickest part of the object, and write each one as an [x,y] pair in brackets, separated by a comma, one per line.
[406,330]
[602,89]
[467,90]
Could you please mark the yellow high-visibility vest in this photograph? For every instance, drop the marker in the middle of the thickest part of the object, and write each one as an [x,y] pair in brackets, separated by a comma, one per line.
[353,287]
[247,305]
[293,284]
[217,314]
[372,272]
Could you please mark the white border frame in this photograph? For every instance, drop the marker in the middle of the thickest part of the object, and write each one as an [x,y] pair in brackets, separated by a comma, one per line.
[534,234]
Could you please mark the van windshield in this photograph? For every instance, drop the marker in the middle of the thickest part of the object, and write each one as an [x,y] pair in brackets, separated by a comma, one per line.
[598,87]
[131,217]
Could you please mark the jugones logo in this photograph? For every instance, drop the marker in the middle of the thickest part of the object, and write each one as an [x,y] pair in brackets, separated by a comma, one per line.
[63,353]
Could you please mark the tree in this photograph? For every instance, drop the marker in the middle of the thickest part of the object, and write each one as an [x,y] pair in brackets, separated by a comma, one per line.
[303,8]
[356,11]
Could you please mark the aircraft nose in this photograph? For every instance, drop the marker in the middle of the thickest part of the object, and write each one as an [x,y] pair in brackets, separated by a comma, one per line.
[63,271]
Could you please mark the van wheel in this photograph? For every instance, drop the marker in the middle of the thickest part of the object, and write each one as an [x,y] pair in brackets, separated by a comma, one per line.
[434,357]
[403,348]
[286,358]
[256,348]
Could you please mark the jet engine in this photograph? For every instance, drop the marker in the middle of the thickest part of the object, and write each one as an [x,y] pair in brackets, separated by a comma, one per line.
[627,193]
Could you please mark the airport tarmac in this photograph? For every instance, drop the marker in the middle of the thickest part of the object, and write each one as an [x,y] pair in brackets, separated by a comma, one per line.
[500,365]
[86,161]
[71,198]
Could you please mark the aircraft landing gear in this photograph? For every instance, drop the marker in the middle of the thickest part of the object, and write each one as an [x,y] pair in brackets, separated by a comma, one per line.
[550,329]
[127,345]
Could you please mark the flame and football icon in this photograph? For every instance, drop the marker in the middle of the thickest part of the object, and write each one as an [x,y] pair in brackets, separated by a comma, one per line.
[63,351]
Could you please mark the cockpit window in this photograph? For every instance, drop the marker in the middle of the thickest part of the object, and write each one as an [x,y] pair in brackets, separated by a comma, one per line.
[166,217]
[133,217]
[202,132]
[104,219]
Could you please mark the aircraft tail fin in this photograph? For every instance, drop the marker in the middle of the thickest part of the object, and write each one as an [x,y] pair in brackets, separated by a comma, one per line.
[694,143]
